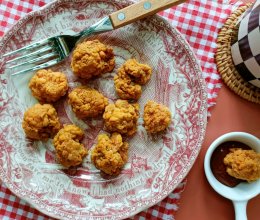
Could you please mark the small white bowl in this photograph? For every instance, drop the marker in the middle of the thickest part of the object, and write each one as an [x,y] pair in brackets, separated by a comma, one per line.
[241,193]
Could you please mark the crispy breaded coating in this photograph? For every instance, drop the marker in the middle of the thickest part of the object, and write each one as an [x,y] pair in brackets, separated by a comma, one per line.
[110,154]
[157,117]
[69,150]
[129,78]
[243,164]
[48,86]
[125,88]
[41,122]
[92,58]
[140,73]
[121,117]
[87,102]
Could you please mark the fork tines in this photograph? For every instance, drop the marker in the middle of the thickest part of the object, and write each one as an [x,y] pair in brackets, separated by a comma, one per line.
[36,56]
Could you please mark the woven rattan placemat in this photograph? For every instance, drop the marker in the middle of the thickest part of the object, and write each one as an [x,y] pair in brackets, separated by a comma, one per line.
[225,65]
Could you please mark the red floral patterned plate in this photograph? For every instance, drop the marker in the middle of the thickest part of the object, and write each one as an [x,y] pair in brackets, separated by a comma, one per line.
[156,165]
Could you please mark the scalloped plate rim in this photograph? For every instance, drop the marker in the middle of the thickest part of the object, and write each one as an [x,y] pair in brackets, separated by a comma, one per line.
[41,10]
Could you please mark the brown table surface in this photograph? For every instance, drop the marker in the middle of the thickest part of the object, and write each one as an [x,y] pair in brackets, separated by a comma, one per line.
[199,201]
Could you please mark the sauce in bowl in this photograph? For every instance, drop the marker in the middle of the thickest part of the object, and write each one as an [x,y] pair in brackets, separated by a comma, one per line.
[217,162]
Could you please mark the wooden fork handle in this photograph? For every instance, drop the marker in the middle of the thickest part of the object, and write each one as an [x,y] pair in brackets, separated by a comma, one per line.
[140,10]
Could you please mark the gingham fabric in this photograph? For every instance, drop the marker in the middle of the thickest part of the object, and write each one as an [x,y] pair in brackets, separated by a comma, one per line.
[199,21]
[246,49]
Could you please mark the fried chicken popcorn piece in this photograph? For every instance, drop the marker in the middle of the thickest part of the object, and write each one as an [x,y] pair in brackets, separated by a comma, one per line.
[48,86]
[125,88]
[129,78]
[243,164]
[140,73]
[69,150]
[110,154]
[121,117]
[41,122]
[157,117]
[92,58]
[87,102]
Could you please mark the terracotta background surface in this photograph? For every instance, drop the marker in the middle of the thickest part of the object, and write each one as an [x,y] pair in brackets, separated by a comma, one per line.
[199,201]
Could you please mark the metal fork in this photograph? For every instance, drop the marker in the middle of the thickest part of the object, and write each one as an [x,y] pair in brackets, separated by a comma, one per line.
[53,50]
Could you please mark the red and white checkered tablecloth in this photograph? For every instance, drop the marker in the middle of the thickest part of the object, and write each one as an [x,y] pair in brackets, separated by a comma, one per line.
[199,21]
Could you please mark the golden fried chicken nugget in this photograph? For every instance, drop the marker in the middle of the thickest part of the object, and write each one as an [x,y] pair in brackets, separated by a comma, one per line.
[110,154]
[243,164]
[125,88]
[121,117]
[87,102]
[92,58]
[129,78]
[140,73]
[157,117]
[48,86]
[41,122]
[69,150]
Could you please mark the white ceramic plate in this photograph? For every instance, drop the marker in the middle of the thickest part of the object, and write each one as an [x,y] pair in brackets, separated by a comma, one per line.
[155,166]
